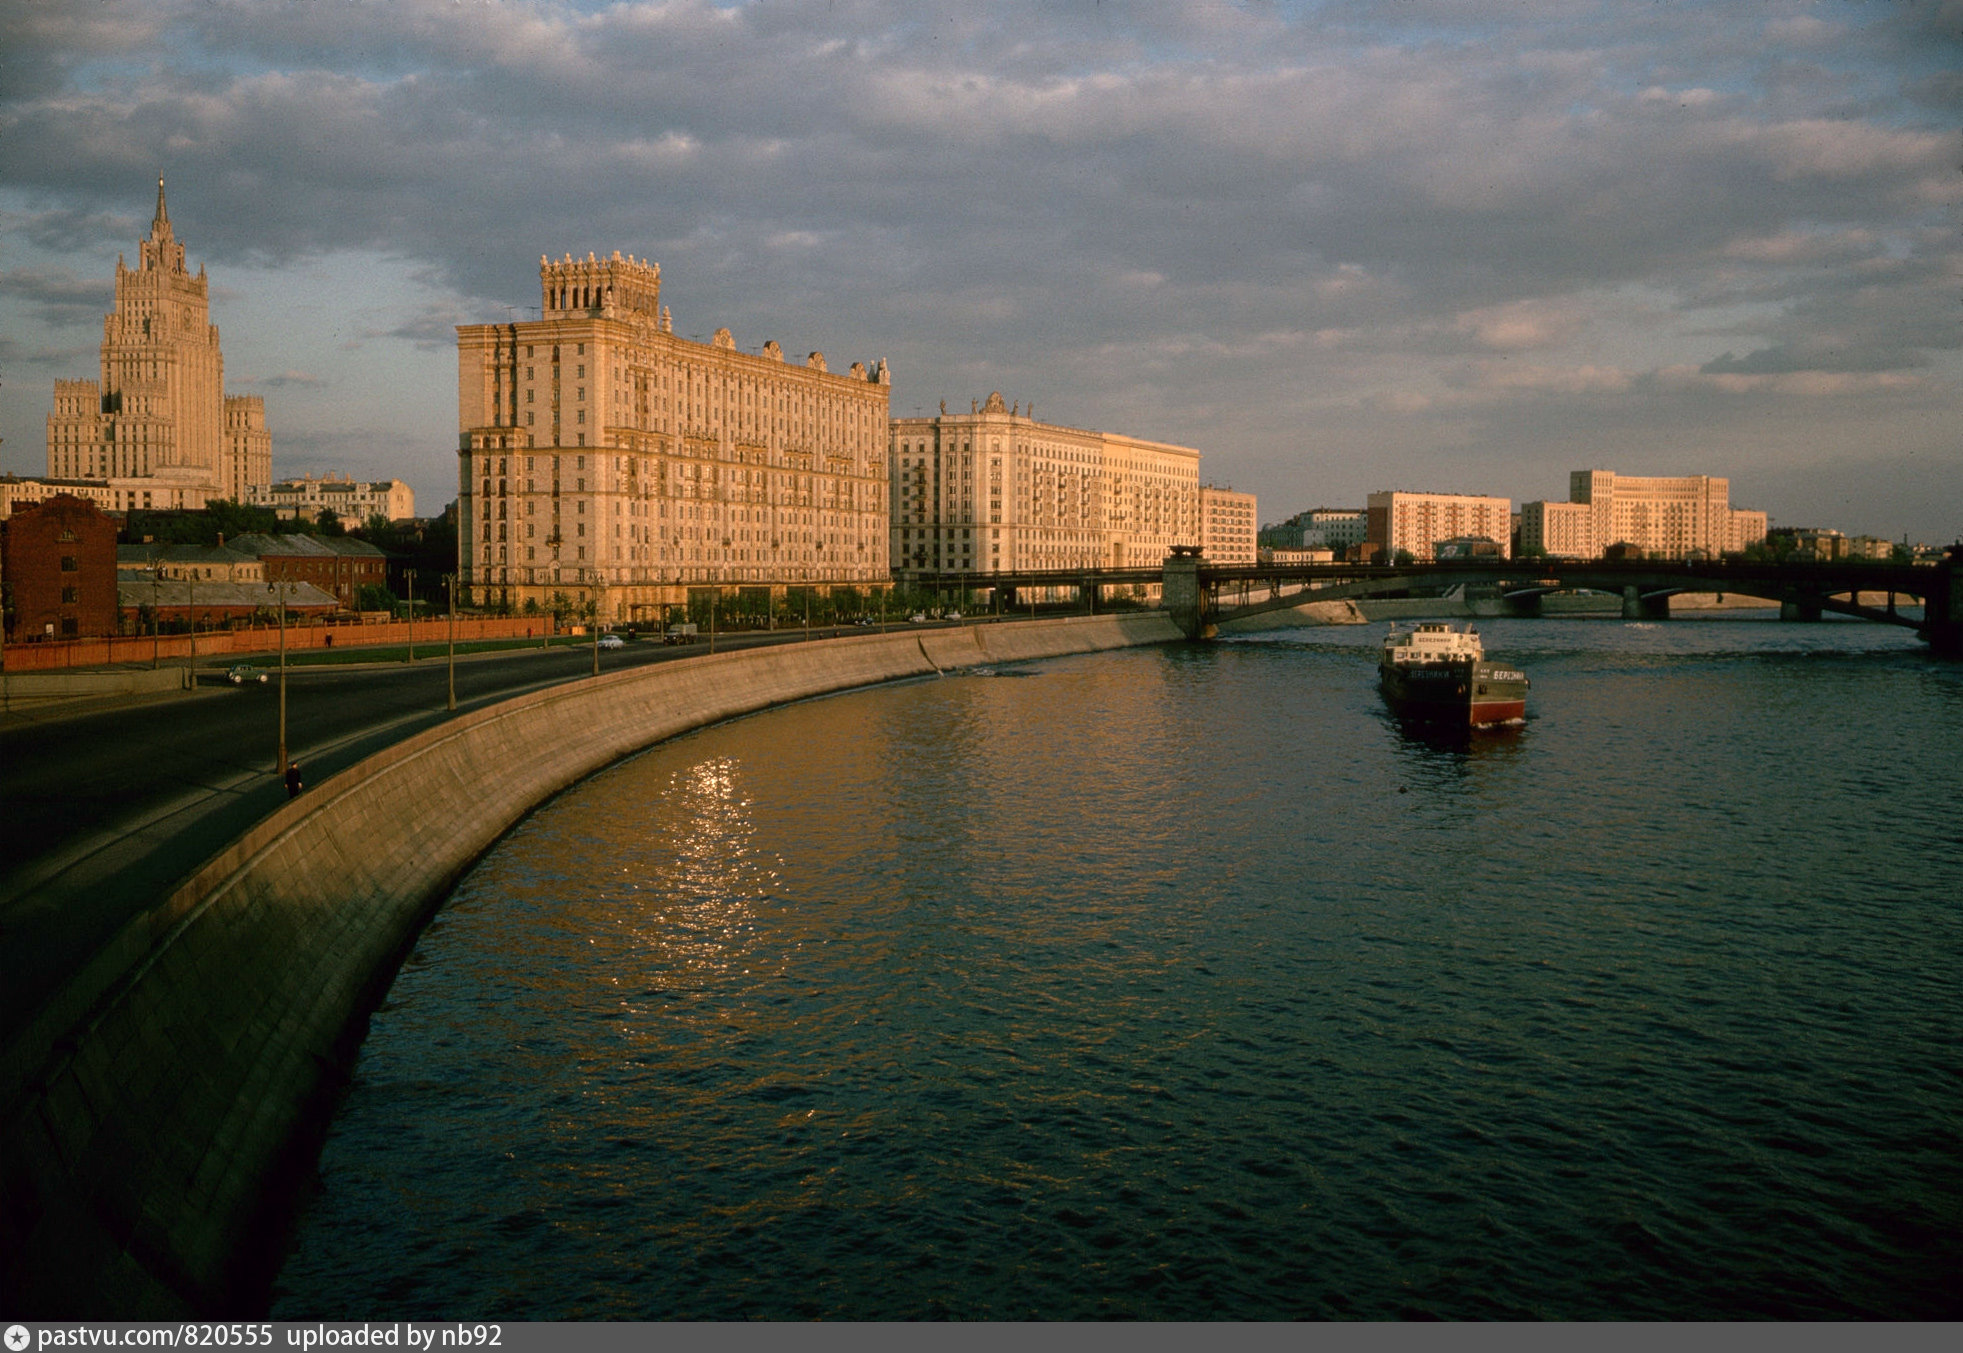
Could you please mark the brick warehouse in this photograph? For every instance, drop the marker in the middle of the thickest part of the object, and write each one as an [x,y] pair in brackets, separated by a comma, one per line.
[59,563]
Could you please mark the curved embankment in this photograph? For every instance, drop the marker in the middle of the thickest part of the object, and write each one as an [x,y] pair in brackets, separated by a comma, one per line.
[154,1118]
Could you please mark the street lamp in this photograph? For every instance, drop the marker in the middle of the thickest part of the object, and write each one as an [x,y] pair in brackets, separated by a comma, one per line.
[599,596]
[451,580]
[410,575]
[280,769]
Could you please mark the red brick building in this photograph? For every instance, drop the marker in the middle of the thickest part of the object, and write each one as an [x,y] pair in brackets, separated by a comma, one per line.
[58,570]
[338,565]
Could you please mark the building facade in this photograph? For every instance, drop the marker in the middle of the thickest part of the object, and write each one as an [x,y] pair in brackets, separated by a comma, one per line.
[354,501]
[1227,525]
[993,490]
[1663,517]
[601,457]
[1419,522]
[58,571]
[1320,528]
[340,566]
[157,429]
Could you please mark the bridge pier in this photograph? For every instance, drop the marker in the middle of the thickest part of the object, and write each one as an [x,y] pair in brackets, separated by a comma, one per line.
[1183,598]
[1803,611]
[1526,606]
[1942,606]
[1636,606]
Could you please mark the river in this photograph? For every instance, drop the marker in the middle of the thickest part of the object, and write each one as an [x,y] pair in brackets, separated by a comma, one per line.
[1184,983]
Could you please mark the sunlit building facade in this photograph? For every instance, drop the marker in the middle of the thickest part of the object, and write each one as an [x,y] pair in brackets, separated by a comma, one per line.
[1227,525]
[993,491]
[1665,517]
[157,429]
[603,459]
[1398,521]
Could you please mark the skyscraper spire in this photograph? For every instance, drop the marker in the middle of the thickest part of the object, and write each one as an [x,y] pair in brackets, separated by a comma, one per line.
[160,223]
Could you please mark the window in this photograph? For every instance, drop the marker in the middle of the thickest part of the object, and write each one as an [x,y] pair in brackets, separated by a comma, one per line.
[70,595]
[68,564]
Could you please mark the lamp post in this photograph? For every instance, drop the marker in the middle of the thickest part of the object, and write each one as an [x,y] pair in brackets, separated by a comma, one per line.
[191,604]
[156,578]
[715,595]
[280,769]
[599,592]
[451,580]
[409,574]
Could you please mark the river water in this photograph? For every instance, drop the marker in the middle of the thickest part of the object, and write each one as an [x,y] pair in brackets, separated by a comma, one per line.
[1184,983]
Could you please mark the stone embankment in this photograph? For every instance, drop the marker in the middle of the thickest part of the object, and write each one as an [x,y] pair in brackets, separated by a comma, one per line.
[156,1114]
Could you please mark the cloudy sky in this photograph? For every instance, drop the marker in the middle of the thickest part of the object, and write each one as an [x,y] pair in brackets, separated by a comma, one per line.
[1338,246]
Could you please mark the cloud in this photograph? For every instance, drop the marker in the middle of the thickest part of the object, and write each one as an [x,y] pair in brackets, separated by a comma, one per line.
[1212,217]
[289,380]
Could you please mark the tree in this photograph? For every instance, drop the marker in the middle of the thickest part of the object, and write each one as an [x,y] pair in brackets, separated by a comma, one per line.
[329,523]
[374,597]
[1404,557]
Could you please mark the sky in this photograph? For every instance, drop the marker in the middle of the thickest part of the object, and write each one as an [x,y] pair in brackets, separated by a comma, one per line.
[1338,247]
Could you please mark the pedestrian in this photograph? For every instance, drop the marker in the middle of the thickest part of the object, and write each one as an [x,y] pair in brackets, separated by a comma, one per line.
[293,785]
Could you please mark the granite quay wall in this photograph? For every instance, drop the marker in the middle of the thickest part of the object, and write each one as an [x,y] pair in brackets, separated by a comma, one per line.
[215,645]
[155,1115]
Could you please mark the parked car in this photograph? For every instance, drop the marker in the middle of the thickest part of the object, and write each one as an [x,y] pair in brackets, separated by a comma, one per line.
[918,618]
[245,672]
[612,641]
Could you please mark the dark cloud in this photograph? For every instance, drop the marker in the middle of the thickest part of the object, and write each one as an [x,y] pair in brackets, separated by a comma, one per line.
[1219,220]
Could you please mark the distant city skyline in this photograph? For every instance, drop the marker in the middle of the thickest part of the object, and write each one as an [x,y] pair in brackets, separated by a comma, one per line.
[1340,248]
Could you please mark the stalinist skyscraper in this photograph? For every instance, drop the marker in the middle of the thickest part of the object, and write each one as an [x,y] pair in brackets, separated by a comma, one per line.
[158,427]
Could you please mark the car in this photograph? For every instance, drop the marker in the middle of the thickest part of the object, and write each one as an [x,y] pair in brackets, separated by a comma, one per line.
[245,672]
[952,615]
[612,641]
[917,618]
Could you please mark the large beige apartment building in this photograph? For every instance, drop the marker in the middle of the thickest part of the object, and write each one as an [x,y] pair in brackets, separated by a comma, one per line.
[1418,522]
[604,458]
[157,429]
[1669,517]
[993,491]
[1228,526]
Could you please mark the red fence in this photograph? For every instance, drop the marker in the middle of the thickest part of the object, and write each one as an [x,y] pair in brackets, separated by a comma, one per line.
[214,644]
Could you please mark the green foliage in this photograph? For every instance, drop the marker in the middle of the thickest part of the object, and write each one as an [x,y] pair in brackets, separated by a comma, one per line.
[374,597]
[219,517]
[329,523]
[1405,557]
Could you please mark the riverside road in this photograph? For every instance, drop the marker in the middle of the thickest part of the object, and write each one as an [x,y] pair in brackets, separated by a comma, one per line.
[107,809]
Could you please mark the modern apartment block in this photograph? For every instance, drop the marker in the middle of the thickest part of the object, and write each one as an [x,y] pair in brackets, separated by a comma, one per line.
[602,457]
[1227,525]
[1671,517]
[157,429]
[993,490]
[1418,522]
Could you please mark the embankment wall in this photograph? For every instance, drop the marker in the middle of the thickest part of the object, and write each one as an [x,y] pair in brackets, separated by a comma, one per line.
[155,1115]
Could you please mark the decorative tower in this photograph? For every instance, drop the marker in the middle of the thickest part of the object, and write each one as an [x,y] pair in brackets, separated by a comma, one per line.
[159,411]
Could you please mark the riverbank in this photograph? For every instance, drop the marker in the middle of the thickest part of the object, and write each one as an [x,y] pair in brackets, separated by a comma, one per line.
[155,1114]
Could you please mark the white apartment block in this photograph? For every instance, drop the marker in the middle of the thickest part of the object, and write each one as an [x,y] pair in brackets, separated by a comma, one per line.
[602,456]
[1672,517]
[1417,522]
[354,501]
[1227,526]
[993,490]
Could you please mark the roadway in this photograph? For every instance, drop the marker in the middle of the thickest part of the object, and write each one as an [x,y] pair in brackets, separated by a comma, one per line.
[107,809]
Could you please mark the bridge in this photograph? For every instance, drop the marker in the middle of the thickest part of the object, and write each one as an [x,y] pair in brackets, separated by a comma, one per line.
[1199,595]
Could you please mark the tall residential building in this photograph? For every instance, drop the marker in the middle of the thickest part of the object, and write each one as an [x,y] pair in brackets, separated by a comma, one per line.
[1417,522]
[1669,517]
[603,458]
[354,501]
[1227,525]
[157,428]
[993,490]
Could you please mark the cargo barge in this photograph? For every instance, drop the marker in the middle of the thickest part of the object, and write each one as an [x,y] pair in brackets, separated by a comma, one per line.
[1434,673]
